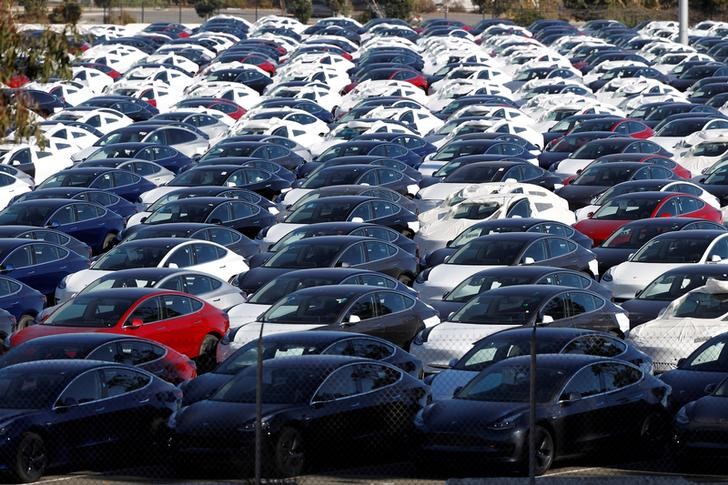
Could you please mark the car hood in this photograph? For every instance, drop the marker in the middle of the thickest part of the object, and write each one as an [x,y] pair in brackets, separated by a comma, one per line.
[79,280]
[640,274]
[461,415]
[245,313]
[255,278]
[151,196]
[689,332]
[202,387]
[598,229]
[444,384]
[689,385]
[441,190]
[641,311]
[250,331]
[450,275]
[292,196]
[464,333]
[216,418]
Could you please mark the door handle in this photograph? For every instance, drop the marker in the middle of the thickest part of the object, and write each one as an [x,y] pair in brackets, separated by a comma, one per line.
[355,405]
[145,400]
[223,266]
[217,299]
[100,409]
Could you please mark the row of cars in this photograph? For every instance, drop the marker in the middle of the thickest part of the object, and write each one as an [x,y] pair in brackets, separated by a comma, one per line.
[400,203]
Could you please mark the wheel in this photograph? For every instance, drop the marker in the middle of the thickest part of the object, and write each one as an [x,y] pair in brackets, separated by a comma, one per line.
[206,359]
[545,450]
[25,321]
[405,279]
[30,458]
[109,241]
[654,433]
[289,454]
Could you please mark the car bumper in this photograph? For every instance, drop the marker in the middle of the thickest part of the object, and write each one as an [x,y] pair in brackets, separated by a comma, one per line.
[507,448]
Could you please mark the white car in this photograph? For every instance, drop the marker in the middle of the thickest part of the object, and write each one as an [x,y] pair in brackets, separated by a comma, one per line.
[346,131]
[662,253]
[97,81]
[704,153]
[105,120]
[312,125]
[11,187]
[193,254]
[684,325]
[682,133]
[75,136]
[422,121]
[44,162]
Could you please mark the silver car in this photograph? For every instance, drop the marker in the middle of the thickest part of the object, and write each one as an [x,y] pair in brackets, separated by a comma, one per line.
[184,140]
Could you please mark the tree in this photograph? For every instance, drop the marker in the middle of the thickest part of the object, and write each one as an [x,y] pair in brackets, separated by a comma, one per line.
[34,9]
[339,7]
[33,57]
[205,8]
[105,5]
[401,9]
[301,9]
[69,12]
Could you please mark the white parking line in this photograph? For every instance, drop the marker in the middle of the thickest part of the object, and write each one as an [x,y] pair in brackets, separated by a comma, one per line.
[60,479]
[567,472]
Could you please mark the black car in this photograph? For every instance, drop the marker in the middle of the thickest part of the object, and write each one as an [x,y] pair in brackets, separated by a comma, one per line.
[488,279]
[520,171]
[360,190]
[242,216]
[716,182]
[120,182]
[668,287]
[360,252]
[233,147]
[502,226]
[312,405]
[337,229]
[278,345]
[101,197]
[134,108]
[54,396]
[360,175]
[699,426]
[598,177]
[214,191]
[108,347]
[629,238]
[232,176]
[583,403]
[225,236]
[45,234]
[517,341]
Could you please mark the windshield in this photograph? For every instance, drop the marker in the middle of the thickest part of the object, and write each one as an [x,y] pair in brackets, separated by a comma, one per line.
[475,211]
[22,390]
[718,177]
[508,383]
[680,128]
[475,174]
[670,287]
[322,211]
[168,198]
[69,180]
[626,209]
[285,285]
[488,253]
[305,256]
[702,305]
[621,189]
[503,346]
[278,384]
[310,309]
[477,284]
[39,349]
[180,211]
[635,237]
[197,177]
[248,355]
[113,281]
[598,148]
[672,250]
[710,149]
[88,310]
[604,175]
[127,256]
[501,309]
[475,232]
[25,216]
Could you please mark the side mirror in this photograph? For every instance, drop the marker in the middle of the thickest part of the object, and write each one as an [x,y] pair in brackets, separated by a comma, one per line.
[578,172]
[357,219]
[710,388]
[6,267]
[172,265]
[457,390]
[546,319]
[450,315]
[452,363]
[344,264]
[447,244]
[66,403]
[135,323]
[715,259]
[53,224]
[664,214]
[353,320]
[590,215]
[570,397]
[630,256]
[217,222]
[143,219]
[446,259]
[528,260]
[681,363]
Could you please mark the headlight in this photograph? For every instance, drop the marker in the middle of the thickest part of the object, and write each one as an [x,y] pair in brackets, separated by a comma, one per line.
[608,276]
[509,422]
[682,416]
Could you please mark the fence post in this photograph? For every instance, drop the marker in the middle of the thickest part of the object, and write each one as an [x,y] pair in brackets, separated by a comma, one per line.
[532,410]
[259,408]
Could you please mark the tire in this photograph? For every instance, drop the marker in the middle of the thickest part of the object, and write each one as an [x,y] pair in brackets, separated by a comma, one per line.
[654,433]
[206,360]
[545,450]
[109,241]
[25,321]
[31,458]
[289,456]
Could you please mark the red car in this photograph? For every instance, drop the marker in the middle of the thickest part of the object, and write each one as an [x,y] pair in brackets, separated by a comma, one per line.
[643,205]
[151,356]
[259,61]
[178,320]
[410,75]
[226,106]
[625,127]
[650,158]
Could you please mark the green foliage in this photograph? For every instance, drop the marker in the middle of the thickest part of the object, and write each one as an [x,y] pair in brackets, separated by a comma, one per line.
[69,12]
[401,9]
[525,17]
[340,7]
[34,9]
[301,9]
[205,8]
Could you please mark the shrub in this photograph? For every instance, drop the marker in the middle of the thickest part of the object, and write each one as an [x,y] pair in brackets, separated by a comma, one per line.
[69,12]
[401,9]
[301,9]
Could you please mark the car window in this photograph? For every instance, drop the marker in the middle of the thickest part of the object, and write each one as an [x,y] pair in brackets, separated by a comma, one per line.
[586,382]
[522,208]
[84,388]
[556,308]
[352,256]
[573,280]
[595,345]
[690,204]
[8,287]
[64,215]
[182,257]
[361,347]
[147,311]
[122,178]
[617,376]
[85,212]
[204,253]
[685,188]
[560,247]
[45,253]
[174,306]
[370,280]
[376,250]
[356,379]
[581,302]
[669,207]
[364,308]
[19,258]
[241,210]
[122,381]
[390,302]
[537,251]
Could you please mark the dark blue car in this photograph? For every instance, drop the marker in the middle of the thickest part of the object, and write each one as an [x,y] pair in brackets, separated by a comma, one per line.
[164,155]
[21,301]
[38,264]
[101,197]
[372,148]
[91,223]
[233,147]
[52,236]
[120,182]
[85,409]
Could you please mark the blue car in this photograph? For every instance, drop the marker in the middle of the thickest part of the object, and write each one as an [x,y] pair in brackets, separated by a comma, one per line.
[120,182]
[52,236]
[38,264]
[372,148]
[103,198]
[164,155]
[91,223]
[21,301]
[233,147]
[120,407]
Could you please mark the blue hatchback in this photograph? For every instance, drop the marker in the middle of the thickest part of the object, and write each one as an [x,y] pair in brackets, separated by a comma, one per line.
[104,198]
[21,301]
[91,223]
[38,264]
[120,182]
[166,156]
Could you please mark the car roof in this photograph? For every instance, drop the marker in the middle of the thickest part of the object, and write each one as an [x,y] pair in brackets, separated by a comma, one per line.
[545,290]
[534,271]
[340,290]
[566,362]
[317,337]
[692,234]
[160,242]
[646,195]
[67,367]
[514,236]
[341,240]
[129,293]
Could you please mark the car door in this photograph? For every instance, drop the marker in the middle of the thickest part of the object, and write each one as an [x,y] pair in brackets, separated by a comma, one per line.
[561,253]
[182,320]
[381,257]
[555,311]
[126,406]
[208,258]
[148,314]
[354,256]
[90,224]
[585,311]
[50,265]
[19,265]
[395,322]
[10,297]
[535,252]
[690,206]
[179,257]
[624,404]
